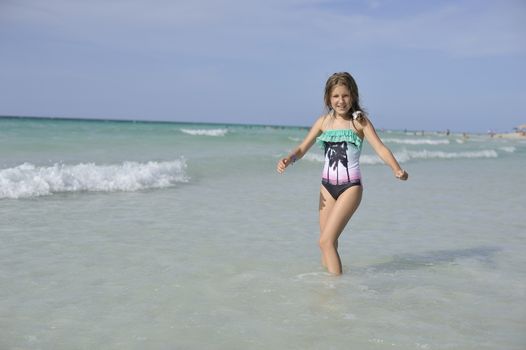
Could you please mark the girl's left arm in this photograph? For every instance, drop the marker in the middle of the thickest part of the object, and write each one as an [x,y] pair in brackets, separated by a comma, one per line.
[382,151]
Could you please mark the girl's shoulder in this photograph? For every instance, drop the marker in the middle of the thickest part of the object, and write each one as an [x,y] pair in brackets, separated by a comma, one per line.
[323,121]
[324,117]
[362,123]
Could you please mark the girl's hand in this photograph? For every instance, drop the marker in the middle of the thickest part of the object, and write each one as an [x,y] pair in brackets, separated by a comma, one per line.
[402,175]
[282,164]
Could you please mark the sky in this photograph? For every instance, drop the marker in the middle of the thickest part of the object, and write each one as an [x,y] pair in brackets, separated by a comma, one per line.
[419,65]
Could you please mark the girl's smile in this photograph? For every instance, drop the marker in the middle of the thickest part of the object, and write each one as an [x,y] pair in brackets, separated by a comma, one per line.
[341,100]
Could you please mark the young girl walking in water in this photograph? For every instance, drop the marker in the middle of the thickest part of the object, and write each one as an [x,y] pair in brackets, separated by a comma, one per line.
[341,133]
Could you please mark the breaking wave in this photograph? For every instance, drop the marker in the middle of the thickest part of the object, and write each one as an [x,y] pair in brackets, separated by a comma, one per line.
[205,132]
[417,141]
[405,155]
[28,180]
[509,149]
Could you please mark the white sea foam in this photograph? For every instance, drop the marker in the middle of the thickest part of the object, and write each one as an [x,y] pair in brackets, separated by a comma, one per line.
[28,180]
[314,157]
[205,132]
[509,149]
[416,141]
[405,155]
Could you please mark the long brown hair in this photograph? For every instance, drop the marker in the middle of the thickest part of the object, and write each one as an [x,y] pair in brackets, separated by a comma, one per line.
[345,79]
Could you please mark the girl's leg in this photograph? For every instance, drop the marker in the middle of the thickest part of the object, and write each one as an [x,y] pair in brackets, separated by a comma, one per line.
[326,204]
[335,221]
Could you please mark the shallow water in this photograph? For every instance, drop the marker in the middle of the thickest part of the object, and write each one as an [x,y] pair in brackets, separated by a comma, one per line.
[224,254]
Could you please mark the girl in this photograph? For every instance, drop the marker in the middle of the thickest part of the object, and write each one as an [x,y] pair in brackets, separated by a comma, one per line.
[340,133]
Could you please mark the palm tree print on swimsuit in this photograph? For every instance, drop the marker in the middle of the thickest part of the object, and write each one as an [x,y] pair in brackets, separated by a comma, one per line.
[337,153]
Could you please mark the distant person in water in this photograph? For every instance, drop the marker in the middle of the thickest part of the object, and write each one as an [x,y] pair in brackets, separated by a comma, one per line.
[340,133]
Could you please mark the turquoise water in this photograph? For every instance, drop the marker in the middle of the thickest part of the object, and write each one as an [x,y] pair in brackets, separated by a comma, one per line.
[122,235]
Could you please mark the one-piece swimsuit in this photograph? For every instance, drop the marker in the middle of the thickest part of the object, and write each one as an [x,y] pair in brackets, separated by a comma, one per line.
[342,148]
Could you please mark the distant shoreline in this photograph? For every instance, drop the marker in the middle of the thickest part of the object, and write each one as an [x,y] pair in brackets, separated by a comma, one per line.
[508,135]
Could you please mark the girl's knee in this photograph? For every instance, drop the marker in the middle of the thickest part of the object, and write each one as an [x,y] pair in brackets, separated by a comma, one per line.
[326,243]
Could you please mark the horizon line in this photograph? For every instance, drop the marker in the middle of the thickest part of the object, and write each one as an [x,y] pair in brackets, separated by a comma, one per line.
[143,121]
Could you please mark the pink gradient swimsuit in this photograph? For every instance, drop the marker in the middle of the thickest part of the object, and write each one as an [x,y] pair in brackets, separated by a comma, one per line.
[342,148]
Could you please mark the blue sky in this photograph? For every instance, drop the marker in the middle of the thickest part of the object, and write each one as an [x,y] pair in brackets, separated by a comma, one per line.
[429,65]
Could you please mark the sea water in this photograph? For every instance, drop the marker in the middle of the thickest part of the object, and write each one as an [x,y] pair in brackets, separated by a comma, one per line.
[134,235]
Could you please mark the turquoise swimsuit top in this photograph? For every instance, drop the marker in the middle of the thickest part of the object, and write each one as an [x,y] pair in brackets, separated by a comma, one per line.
[339,135]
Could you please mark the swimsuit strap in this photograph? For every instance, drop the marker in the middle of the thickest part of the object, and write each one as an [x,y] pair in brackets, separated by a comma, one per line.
[333,118]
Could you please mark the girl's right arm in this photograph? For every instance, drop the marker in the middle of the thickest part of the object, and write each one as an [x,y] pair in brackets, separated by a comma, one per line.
[304,146]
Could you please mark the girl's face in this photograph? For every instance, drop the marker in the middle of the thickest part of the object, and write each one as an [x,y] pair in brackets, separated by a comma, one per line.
[341,100]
